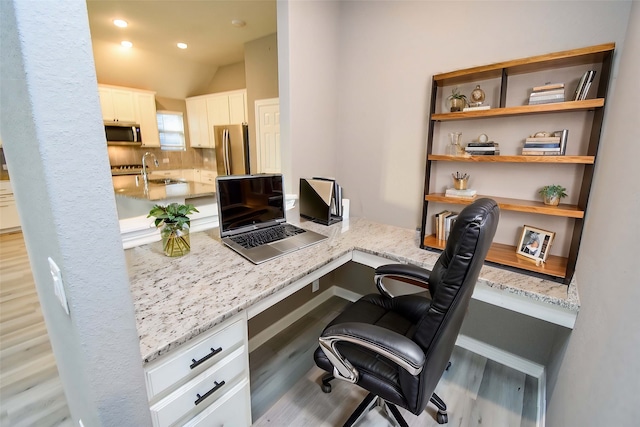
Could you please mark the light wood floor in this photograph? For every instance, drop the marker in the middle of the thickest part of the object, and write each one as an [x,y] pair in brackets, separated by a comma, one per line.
[285,387]
[30,390]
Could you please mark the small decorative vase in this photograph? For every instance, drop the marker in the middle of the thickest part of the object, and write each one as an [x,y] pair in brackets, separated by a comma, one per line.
[454,148]
[551,200]
[456,104]
[175,239]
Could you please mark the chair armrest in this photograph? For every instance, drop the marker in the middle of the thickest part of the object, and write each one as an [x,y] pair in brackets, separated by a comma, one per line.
[412,274]
[395,347]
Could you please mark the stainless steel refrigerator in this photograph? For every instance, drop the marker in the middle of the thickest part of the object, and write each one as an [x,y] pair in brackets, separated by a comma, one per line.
[232,149]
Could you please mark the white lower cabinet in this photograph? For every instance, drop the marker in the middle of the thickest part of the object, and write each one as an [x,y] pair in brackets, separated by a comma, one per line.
[205,383]
[9,219]
[231,410]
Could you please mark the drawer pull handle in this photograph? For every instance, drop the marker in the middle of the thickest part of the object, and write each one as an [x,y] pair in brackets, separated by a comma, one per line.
[204,359]
[209,393]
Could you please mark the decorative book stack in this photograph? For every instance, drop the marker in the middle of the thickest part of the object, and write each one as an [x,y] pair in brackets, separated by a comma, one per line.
[443,222]
[462,194]
[488,148]
[552,92]
[584,85]
[546,145]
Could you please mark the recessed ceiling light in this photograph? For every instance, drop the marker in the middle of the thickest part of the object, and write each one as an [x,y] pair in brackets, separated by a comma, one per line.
[120,23]
[182,45]
[126,44]
[238,23]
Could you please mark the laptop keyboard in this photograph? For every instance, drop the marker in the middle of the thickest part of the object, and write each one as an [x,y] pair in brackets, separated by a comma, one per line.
[262,237]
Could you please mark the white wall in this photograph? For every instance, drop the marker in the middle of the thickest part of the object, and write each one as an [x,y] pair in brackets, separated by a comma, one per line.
[62,182]
[389,50]
[386,54]
[595,378]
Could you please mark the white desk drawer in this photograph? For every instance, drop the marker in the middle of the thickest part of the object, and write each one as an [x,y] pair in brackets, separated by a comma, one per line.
[231,410]
[203,390]
[219,344]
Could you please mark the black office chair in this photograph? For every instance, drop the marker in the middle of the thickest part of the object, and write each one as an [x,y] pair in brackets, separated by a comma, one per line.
[397,348]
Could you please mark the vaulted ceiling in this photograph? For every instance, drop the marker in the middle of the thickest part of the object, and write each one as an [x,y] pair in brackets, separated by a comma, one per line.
[154,27]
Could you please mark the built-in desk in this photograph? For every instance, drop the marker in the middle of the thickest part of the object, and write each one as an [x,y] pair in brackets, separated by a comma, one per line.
[180,303]
[177,299]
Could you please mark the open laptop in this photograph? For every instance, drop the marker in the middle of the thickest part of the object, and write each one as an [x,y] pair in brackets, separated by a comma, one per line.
[252,219]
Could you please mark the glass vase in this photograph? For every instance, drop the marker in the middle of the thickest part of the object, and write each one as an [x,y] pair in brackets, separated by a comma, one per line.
[175,239]
[454,148]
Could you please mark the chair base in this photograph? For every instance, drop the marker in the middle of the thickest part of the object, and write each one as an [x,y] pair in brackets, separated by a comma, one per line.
[371,401]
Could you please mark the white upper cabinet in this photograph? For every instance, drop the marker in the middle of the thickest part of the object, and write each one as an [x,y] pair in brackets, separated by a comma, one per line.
[147,119]
[238,108]
[206,111]
[199,134]
[121,104]
[117,105]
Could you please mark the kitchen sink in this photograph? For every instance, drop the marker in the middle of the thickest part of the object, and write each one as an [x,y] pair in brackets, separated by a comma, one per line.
[166,181]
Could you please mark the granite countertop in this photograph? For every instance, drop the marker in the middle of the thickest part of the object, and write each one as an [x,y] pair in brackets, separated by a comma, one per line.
[177,299]
[126,185]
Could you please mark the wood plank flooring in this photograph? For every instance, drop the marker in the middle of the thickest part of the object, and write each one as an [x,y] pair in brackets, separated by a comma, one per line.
[478,392]
[30,389]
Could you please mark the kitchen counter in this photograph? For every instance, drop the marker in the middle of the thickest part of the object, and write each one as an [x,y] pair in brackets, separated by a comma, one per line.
[176,299]
[126,185]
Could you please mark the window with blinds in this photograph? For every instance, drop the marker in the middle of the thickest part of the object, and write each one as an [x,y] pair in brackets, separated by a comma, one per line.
[171,130]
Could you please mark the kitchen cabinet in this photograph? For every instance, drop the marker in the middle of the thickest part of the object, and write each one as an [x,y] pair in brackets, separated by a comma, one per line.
[200,136]
[163,174]
[9,220]
[120,104]
[510,178]
[147,119]
[208,176]
[205,382]
[206,111]
[117,104]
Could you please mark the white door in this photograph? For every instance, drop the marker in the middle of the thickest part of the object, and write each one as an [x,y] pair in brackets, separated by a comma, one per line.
[268,135]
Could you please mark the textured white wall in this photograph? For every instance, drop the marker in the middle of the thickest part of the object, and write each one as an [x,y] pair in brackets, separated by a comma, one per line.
[55,148]
[594,378]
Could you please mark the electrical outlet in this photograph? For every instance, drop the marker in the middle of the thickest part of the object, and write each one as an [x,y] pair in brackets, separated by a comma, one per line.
[58,286]
[165,161]
[315,285]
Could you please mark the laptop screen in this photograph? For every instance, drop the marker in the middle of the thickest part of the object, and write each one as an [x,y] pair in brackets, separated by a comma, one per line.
[247,202]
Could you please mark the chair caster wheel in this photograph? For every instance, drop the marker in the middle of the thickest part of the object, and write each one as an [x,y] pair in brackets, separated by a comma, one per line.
[326,388]
[442,418]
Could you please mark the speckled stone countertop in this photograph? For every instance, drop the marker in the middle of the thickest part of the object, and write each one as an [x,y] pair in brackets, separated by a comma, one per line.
[127,185]
[177,299]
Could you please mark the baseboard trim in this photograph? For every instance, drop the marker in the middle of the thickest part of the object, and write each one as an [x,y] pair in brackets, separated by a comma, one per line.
[512,361]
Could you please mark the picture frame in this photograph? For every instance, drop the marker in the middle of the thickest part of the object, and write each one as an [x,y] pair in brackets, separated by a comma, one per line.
[535,243]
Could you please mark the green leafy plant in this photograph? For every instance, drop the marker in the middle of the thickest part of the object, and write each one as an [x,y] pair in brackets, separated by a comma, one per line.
[175,233]
[551,191]
[174,213]
[455,94]
[457,101]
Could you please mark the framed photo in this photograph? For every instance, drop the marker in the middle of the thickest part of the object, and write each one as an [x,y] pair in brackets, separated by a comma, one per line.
[535,243]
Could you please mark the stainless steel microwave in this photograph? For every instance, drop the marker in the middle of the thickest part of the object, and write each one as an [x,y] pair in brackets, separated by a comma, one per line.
[119,133]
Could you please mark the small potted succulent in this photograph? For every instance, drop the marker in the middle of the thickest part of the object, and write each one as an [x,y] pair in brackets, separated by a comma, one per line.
[174,224]
[457,101]
[551,194]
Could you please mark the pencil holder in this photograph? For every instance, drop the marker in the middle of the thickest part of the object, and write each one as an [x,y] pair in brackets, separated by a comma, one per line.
[460,183]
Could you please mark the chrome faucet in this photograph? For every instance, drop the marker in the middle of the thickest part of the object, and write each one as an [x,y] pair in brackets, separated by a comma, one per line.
[144,165]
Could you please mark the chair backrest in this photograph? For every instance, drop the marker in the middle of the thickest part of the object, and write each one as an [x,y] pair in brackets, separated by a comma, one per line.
[451,284]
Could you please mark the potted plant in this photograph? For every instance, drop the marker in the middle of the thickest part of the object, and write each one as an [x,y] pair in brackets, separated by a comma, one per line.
[175,227]
[551,194]
[457,101]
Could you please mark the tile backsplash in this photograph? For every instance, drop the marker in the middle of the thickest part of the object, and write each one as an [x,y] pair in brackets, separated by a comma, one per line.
[190,159]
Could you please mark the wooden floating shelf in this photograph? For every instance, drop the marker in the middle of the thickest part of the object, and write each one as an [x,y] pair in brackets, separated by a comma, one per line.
[565,58]
[506,255]
[517,205]
[556,107]
[587,160]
